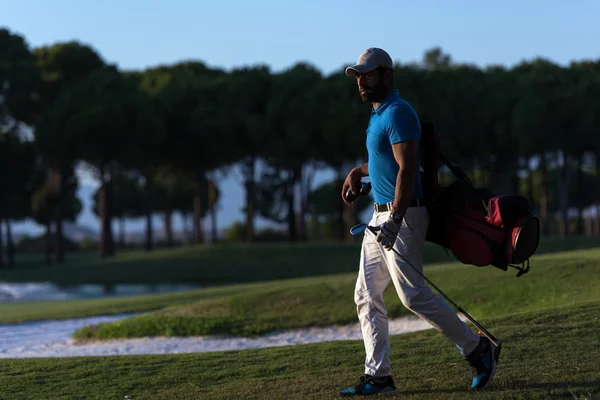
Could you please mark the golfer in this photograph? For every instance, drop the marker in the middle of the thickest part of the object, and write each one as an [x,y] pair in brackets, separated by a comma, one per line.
[392,141]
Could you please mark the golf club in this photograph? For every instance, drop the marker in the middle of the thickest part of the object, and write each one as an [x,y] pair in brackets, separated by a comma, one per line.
[365,189]
[356,229]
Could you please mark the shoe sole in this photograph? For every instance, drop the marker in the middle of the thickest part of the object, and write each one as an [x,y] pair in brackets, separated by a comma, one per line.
[384,392]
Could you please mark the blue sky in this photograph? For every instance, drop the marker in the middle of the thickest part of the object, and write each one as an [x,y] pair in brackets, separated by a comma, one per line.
[138,34]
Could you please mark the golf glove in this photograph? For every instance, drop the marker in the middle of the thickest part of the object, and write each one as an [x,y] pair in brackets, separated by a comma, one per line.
[388,232]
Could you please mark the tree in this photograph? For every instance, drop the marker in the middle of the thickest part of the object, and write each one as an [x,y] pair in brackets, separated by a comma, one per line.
[149,139]
[127,200]
[249,127]
[60,65]
[436,58]
[537,118]
[17,156]
[102,115]
[195,122]
[44,202]
[295,126]
[19,81]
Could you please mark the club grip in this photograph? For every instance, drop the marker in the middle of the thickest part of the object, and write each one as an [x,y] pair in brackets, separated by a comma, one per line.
[351,197]
[364,190]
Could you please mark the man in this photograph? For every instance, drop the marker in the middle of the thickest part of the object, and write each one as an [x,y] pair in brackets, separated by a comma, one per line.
[392,141]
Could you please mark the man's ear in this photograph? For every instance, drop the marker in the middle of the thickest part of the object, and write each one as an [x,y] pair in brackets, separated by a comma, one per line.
[388,76]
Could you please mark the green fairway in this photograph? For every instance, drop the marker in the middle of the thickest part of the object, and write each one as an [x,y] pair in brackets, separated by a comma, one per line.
[558,280]
[254,308]
[546,355]
[225,263]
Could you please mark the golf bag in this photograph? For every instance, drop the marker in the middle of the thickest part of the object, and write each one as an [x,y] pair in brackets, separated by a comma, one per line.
[479,227]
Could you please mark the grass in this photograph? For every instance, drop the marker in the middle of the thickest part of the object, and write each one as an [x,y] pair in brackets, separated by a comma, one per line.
[224,263]
[44,310]
[555,280]
[546,355]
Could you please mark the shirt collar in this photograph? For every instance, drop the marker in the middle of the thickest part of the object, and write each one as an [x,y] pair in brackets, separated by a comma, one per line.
[389,99]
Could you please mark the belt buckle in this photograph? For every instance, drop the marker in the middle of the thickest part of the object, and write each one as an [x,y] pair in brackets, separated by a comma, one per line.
[383,207]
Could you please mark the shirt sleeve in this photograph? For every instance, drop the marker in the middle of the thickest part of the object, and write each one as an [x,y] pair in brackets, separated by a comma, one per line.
[403,125]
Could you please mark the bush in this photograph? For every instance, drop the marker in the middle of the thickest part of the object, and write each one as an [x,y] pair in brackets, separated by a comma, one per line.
[87,244]
[237,233]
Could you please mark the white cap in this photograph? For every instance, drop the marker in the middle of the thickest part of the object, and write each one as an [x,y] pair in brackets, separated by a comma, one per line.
[370,59]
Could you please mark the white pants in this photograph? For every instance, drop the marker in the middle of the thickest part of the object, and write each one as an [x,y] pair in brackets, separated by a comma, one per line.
[378,267]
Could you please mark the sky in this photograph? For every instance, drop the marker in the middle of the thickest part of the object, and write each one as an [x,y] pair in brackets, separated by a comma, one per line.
[136,34]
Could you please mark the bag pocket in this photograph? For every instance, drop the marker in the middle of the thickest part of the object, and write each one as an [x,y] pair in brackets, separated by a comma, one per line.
[472,246]
[523,239]
[506,210]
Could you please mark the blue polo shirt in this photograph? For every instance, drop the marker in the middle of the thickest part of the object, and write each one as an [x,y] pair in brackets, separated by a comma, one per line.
[392,122]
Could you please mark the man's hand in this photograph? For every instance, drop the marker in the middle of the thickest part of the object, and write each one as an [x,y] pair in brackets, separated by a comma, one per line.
[352,182]
[388,232]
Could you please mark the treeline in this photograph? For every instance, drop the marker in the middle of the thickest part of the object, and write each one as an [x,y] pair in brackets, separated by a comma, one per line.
[156,138]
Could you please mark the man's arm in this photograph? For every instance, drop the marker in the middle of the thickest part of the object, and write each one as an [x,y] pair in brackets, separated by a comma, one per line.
[352,181]
[405,154]
[404,132]
[363,170]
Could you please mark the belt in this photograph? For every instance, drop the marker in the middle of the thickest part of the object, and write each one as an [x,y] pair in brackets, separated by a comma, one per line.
[390,205]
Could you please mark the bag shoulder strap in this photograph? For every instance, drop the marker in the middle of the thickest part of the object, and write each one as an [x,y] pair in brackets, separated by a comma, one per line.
[456,171]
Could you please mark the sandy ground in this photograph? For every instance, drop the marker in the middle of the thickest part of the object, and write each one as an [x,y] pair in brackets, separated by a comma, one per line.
[53,339]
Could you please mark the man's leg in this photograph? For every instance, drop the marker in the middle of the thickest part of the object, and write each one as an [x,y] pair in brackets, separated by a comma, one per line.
[373,278]
[411,287]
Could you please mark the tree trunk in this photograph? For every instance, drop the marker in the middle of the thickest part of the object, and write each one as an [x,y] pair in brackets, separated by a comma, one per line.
[122,232]
[306,185]
[59,243]
[530,194]
[597,219]
[102,211]
[544,195]
[148,204]
[169,227]
[291,203]
[10,244]
[105,207]
[250,170]
[198,236]
[348,222]
[580,190]
[1,245]
[339,182]
[515,181]
[212,206]
[187,237]
[48,242]
[563,193]
[110,199]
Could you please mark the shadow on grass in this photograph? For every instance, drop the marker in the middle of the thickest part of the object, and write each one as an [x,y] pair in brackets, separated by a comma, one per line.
[516,385]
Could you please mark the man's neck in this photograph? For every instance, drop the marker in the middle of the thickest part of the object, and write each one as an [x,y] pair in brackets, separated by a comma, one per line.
[377,103]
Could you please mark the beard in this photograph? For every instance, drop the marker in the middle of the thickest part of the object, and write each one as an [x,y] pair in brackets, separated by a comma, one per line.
[375,94]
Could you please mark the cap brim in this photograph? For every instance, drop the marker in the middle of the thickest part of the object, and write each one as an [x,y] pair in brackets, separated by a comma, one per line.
[360,68]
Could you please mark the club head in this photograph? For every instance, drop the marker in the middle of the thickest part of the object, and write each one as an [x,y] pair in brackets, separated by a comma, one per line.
[365,189]
[356,229]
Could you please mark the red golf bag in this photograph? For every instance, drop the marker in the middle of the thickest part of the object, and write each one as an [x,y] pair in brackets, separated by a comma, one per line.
[479,227]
